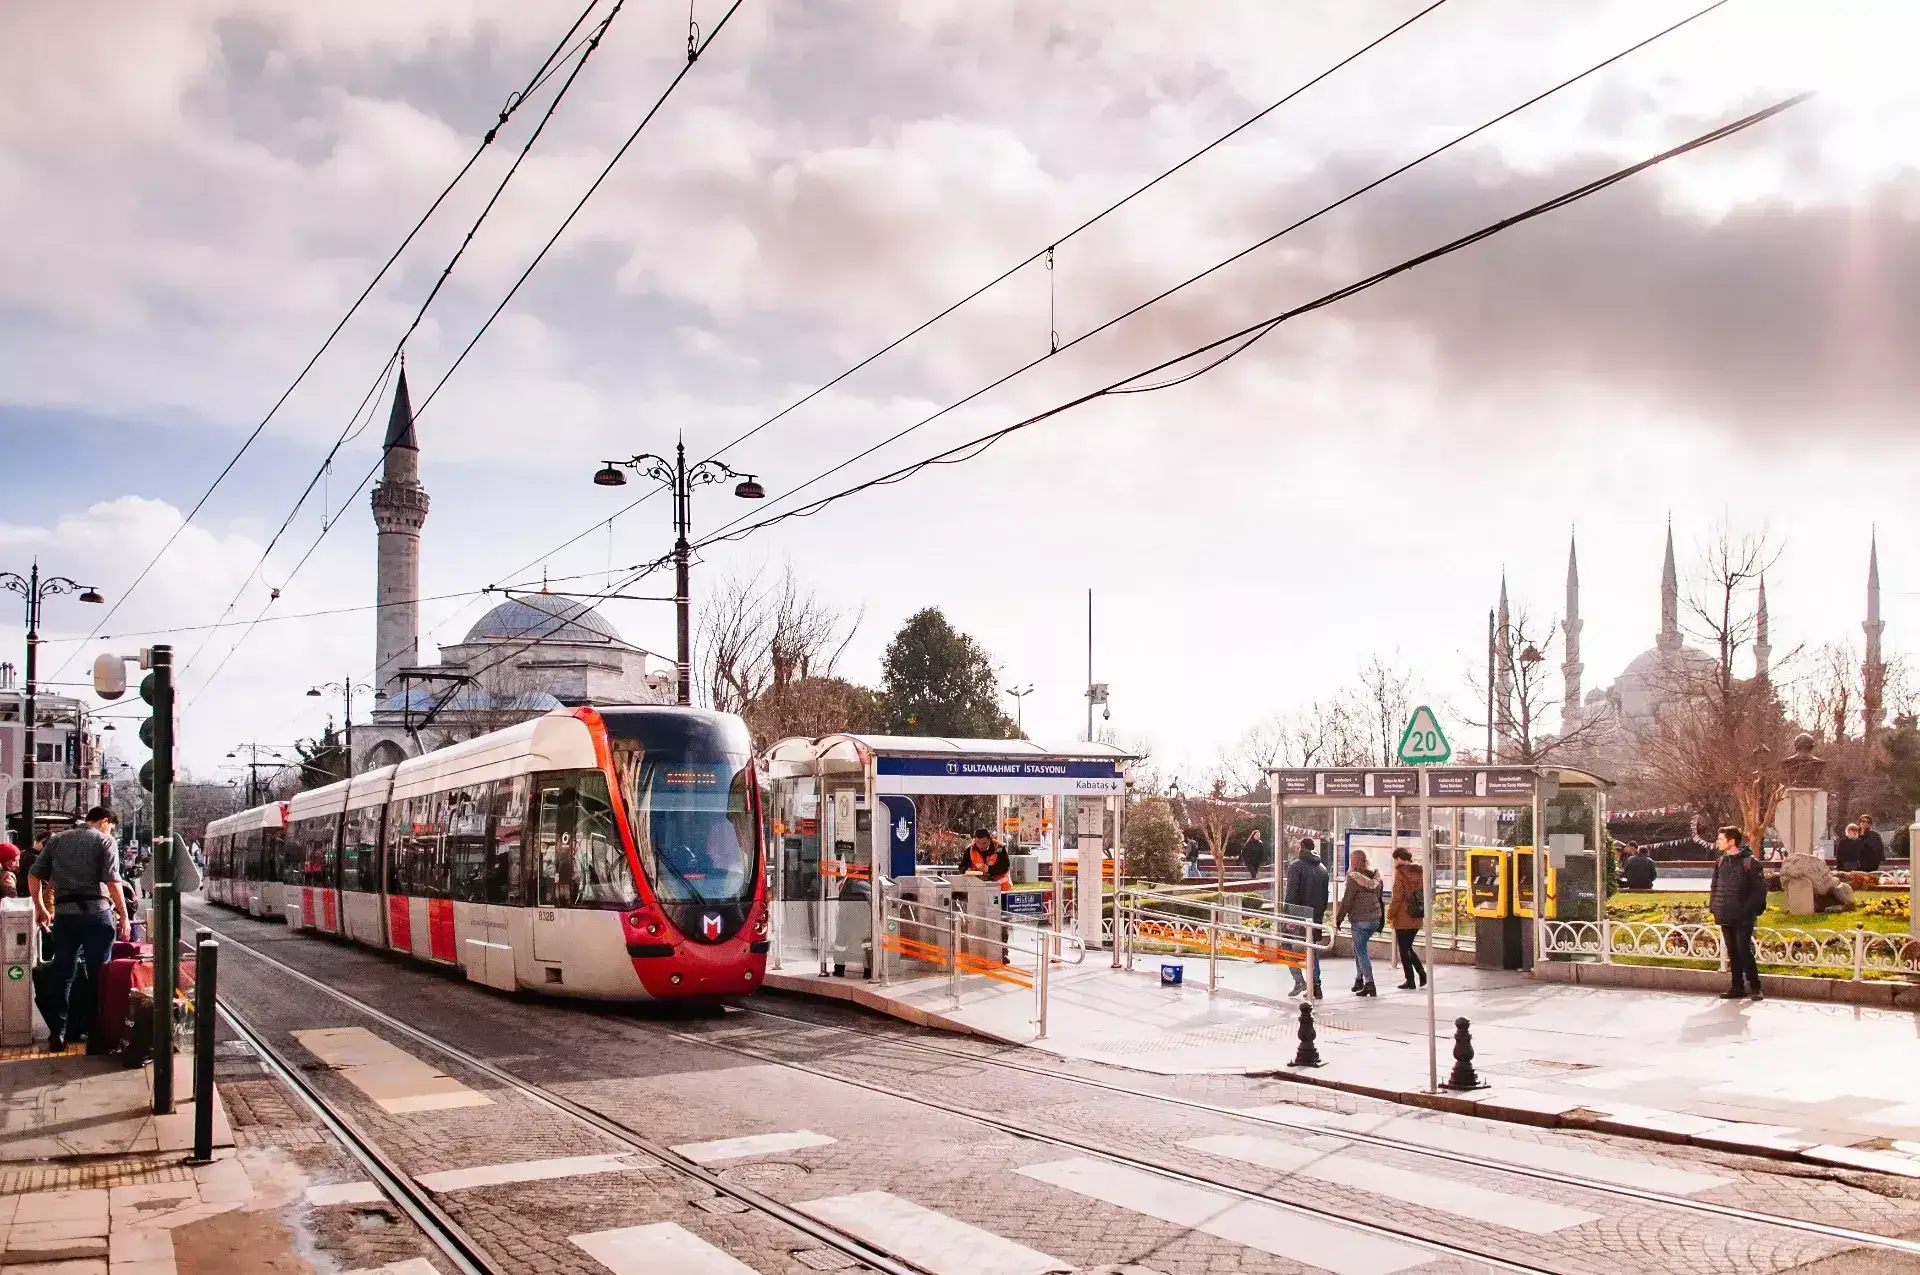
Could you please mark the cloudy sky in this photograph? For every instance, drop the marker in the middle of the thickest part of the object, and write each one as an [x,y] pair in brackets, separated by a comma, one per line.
[195,192]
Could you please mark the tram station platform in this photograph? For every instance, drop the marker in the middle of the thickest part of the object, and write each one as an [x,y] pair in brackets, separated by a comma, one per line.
[1815,1082]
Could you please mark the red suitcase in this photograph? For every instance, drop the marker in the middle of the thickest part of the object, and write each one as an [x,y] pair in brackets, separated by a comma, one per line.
[110,1016]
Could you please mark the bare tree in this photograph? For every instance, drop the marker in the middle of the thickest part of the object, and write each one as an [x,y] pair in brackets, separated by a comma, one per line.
[760,635]
[1718,741]
[1529,701]
[1385,699]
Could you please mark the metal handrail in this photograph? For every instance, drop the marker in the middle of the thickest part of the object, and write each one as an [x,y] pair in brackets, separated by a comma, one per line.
[1266,936]
[941,937]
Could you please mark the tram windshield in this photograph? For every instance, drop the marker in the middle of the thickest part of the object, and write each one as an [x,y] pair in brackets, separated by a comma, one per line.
[692,823]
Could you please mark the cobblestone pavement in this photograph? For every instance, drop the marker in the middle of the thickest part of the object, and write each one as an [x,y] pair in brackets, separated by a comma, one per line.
[688,1078]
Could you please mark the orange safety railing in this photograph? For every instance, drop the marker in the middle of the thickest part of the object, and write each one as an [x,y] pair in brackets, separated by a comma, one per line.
[1184,937]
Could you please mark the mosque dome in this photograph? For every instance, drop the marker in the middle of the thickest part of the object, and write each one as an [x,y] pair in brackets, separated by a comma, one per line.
[546,616]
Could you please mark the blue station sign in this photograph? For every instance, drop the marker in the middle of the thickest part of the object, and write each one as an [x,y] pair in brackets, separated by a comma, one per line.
[998,777]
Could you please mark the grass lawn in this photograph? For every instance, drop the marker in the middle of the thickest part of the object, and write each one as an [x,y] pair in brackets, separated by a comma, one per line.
[1882,911]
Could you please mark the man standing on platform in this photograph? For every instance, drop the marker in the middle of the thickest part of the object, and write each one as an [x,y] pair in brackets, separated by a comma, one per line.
[1737,899]
[76,881]
[1307,896]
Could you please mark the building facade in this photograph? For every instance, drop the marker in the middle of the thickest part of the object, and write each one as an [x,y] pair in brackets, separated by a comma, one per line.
[67,768]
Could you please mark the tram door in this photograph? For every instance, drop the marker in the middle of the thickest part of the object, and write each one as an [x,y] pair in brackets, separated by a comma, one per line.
[846,883]
[795,803]
[556,862]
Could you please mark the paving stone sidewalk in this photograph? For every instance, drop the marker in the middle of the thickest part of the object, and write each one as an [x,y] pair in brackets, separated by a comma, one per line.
[1827,1083]
[92,1183]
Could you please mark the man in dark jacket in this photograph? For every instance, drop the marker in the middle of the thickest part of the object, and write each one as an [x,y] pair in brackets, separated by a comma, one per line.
[1873,850]
[1737,898]
[1847,850]
[1638,870]
[1307,896]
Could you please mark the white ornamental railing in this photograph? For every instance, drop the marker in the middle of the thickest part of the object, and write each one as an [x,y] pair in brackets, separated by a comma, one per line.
[1859,952]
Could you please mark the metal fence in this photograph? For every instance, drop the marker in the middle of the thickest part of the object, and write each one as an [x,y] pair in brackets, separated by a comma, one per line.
[1854,953]
[1236,923]
[922,938]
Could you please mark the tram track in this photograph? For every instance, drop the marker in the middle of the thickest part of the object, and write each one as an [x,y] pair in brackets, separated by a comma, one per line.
[399,1186]
[1384,1141]
[885,1262]
[893,1265]
[418,1203]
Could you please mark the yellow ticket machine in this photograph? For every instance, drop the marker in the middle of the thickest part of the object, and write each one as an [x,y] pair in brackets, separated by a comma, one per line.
[1523,885]
[1489,878]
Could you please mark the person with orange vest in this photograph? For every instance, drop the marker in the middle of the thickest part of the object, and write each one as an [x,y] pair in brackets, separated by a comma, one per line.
[984,858]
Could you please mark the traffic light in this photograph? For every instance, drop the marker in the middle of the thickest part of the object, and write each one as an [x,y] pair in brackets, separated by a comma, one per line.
[156,732]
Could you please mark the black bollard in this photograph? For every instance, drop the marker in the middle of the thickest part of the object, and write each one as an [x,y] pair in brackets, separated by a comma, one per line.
[1308,1054]
[1464,1076]
[206,977]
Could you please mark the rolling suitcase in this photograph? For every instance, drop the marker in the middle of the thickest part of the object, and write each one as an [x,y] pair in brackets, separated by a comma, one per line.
[110,1014]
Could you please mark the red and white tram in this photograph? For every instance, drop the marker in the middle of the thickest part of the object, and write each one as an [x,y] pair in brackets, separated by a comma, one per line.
[611,853]
[244,859]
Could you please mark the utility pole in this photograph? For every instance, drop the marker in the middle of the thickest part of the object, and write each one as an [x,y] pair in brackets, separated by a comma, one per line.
[680,480]
[36,591]
[1490,639]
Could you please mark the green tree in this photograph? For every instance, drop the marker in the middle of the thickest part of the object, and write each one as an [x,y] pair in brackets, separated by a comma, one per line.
[938,681]
[1899,762]
[1151,848]
[324,760]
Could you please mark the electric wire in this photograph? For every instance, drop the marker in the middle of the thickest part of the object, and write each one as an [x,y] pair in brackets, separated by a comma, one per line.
[591,46]
[1238,342]
[540,256]
[1234,344]
[1045,253]
[1288,229]
[512,104]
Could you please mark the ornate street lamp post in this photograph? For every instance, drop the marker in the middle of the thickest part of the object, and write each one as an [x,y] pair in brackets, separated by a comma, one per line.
[678,478]
[36,590]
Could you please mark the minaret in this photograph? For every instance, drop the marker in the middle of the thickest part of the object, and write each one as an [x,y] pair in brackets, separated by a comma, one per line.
[1669,638]
[1572,710]
[399,511]
[1762,648]
[1873,673]
[1503,678]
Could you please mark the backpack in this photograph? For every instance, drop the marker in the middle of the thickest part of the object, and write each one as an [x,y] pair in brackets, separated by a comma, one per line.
[1417,905]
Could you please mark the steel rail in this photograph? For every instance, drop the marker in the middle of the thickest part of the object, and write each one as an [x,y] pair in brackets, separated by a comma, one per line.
[446,1234]
[888,1263]
[859,1250]
[1384,1141]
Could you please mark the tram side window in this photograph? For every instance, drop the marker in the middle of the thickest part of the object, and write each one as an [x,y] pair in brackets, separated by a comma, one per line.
[362,850]
[506,883]
[580,861]
[283,856]
[252,864]
[467,842]
[315,842]
[399,846]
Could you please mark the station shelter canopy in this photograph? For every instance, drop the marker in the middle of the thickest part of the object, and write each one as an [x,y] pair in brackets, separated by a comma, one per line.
[926,764]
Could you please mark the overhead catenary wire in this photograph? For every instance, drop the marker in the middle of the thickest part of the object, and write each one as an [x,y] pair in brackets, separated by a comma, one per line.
[540,256]
[513,103]
[591,45]
[1288,229]
[1238,342]
[1045,252]
[1233,343]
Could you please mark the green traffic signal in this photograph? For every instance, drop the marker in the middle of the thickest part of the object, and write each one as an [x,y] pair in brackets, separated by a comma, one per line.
[146,774]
